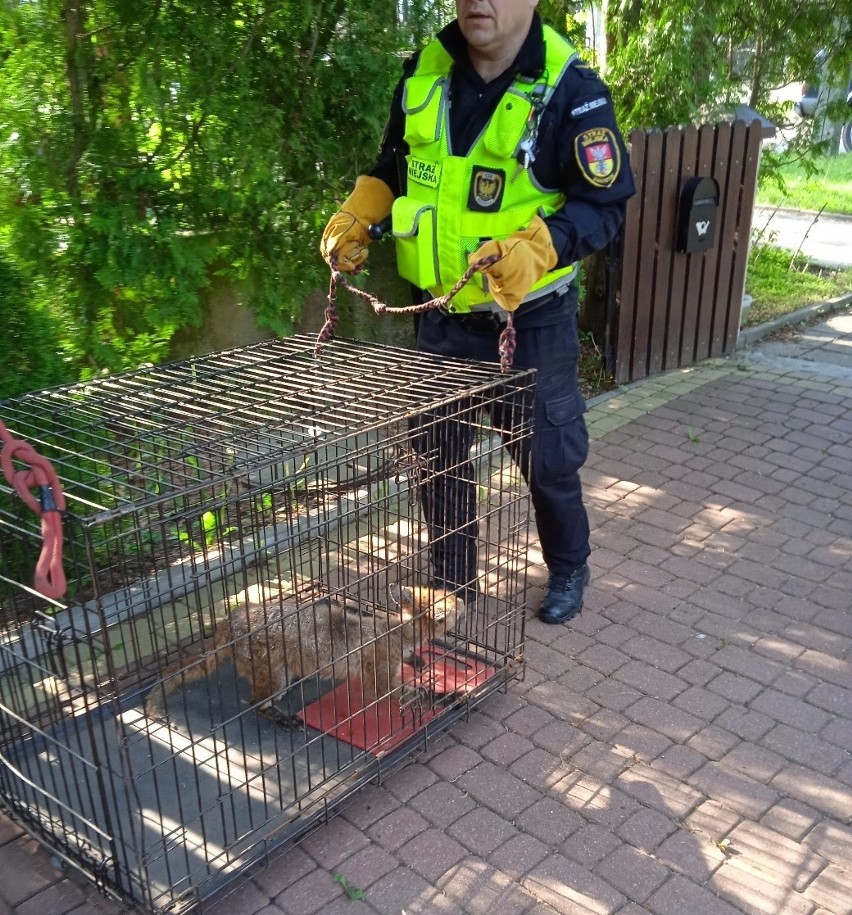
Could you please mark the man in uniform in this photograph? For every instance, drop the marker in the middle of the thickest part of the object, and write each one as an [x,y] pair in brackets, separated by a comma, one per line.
[500,140]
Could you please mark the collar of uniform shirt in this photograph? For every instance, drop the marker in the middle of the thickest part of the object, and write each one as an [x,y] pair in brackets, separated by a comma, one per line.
[472,99]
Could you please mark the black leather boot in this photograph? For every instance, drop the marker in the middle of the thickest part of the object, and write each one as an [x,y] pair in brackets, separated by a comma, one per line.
[563,599]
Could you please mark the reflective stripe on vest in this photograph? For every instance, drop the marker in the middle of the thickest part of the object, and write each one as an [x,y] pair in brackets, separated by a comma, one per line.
[455,203]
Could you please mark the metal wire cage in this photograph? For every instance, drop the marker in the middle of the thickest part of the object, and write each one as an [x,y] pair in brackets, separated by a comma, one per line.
[284,574]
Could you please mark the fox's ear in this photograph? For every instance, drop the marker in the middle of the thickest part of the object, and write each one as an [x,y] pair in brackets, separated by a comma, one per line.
[402,597]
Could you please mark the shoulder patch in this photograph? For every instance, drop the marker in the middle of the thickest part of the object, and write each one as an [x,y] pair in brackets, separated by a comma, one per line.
[597,156]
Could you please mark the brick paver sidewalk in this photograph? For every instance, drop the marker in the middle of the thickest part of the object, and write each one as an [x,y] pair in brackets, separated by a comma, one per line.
[684,747]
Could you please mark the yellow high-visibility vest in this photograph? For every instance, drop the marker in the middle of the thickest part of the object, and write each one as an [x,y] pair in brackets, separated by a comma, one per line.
[455,203]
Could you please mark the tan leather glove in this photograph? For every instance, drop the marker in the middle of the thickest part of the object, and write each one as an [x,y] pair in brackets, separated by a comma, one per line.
[525,257]
[345,237]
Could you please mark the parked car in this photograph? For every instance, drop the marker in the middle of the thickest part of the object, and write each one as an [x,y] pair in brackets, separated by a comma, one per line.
[806,105]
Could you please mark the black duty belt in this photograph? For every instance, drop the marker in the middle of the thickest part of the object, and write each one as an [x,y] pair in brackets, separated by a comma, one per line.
[478,320]
[492,320]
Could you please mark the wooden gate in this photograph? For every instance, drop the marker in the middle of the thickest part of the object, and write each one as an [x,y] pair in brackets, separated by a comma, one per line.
[673,309]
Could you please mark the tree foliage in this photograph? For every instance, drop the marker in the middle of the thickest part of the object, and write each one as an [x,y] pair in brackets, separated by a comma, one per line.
[674,62]
[147,145]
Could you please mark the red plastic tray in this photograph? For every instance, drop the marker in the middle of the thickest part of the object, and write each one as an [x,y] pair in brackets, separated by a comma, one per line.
[381,727]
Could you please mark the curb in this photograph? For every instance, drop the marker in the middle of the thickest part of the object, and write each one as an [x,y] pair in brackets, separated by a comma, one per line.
[794,211]
[749,335]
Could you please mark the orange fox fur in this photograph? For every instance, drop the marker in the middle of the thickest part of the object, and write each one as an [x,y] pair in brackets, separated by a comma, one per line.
[273,646]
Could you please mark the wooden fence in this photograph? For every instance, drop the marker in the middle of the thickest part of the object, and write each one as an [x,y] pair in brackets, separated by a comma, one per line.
[673,309]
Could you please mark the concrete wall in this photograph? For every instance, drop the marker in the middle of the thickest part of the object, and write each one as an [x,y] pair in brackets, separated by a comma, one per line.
[229,321]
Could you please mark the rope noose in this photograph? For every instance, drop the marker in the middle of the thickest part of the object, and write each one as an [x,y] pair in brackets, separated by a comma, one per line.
[505,347]
[49,579]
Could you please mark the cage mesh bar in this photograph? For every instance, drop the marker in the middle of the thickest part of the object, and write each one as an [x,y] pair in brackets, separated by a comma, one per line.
[285,573]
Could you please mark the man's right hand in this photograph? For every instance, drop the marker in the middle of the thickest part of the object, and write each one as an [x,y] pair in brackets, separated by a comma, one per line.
[346,236]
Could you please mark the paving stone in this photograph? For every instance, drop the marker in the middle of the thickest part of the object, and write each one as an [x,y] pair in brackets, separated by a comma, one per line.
[403,890]
[806,749]
[499,790]
[519,855]
[442,804]
[791,818]
[568,887]
[454,761]
[507,748]
[589,845]
[669,721]
[410,780]
[601,760]
[754,761]
[649,680]
[832,888]
[56,899]
[646,829]
[594,799]
[757,893]
[735,790]
[538,769]
[818,791]
[679,896]
[550,821]
[284,870]
[640,743]
[9,830]
[561,738]
[250,898]
[702,702]
[480,889]
[431,853]
[744,723]
[633,872]
[659,791]
[336,842]
[613,695]
[789,710]
[397,827]
[832,841]
[679,761]
[482,831]
[31,868]
[713,742]
[690,854]
[788,862]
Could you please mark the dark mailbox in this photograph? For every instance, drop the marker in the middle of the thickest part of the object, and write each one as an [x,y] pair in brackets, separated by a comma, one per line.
[698,210]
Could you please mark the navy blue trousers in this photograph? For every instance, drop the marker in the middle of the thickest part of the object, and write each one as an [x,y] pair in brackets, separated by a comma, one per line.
[550,459]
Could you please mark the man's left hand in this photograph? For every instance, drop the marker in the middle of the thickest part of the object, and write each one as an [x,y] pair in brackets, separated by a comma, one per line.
[525,257]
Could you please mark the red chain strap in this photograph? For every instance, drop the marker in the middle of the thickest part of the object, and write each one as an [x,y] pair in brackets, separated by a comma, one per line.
[506,346]
[49,578]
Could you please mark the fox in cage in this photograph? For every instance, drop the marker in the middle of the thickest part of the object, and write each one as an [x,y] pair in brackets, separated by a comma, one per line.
[276,643]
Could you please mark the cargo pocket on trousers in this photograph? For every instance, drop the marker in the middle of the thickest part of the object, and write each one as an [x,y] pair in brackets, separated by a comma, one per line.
[562,444]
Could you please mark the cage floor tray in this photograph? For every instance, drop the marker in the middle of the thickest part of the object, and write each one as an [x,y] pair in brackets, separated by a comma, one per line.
[384,726]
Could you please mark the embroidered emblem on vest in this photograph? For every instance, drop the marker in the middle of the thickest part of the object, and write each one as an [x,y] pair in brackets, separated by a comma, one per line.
[598,157]
[486,189]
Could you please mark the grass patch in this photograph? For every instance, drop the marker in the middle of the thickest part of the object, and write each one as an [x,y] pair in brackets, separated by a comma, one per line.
[825,184]
[779,283]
